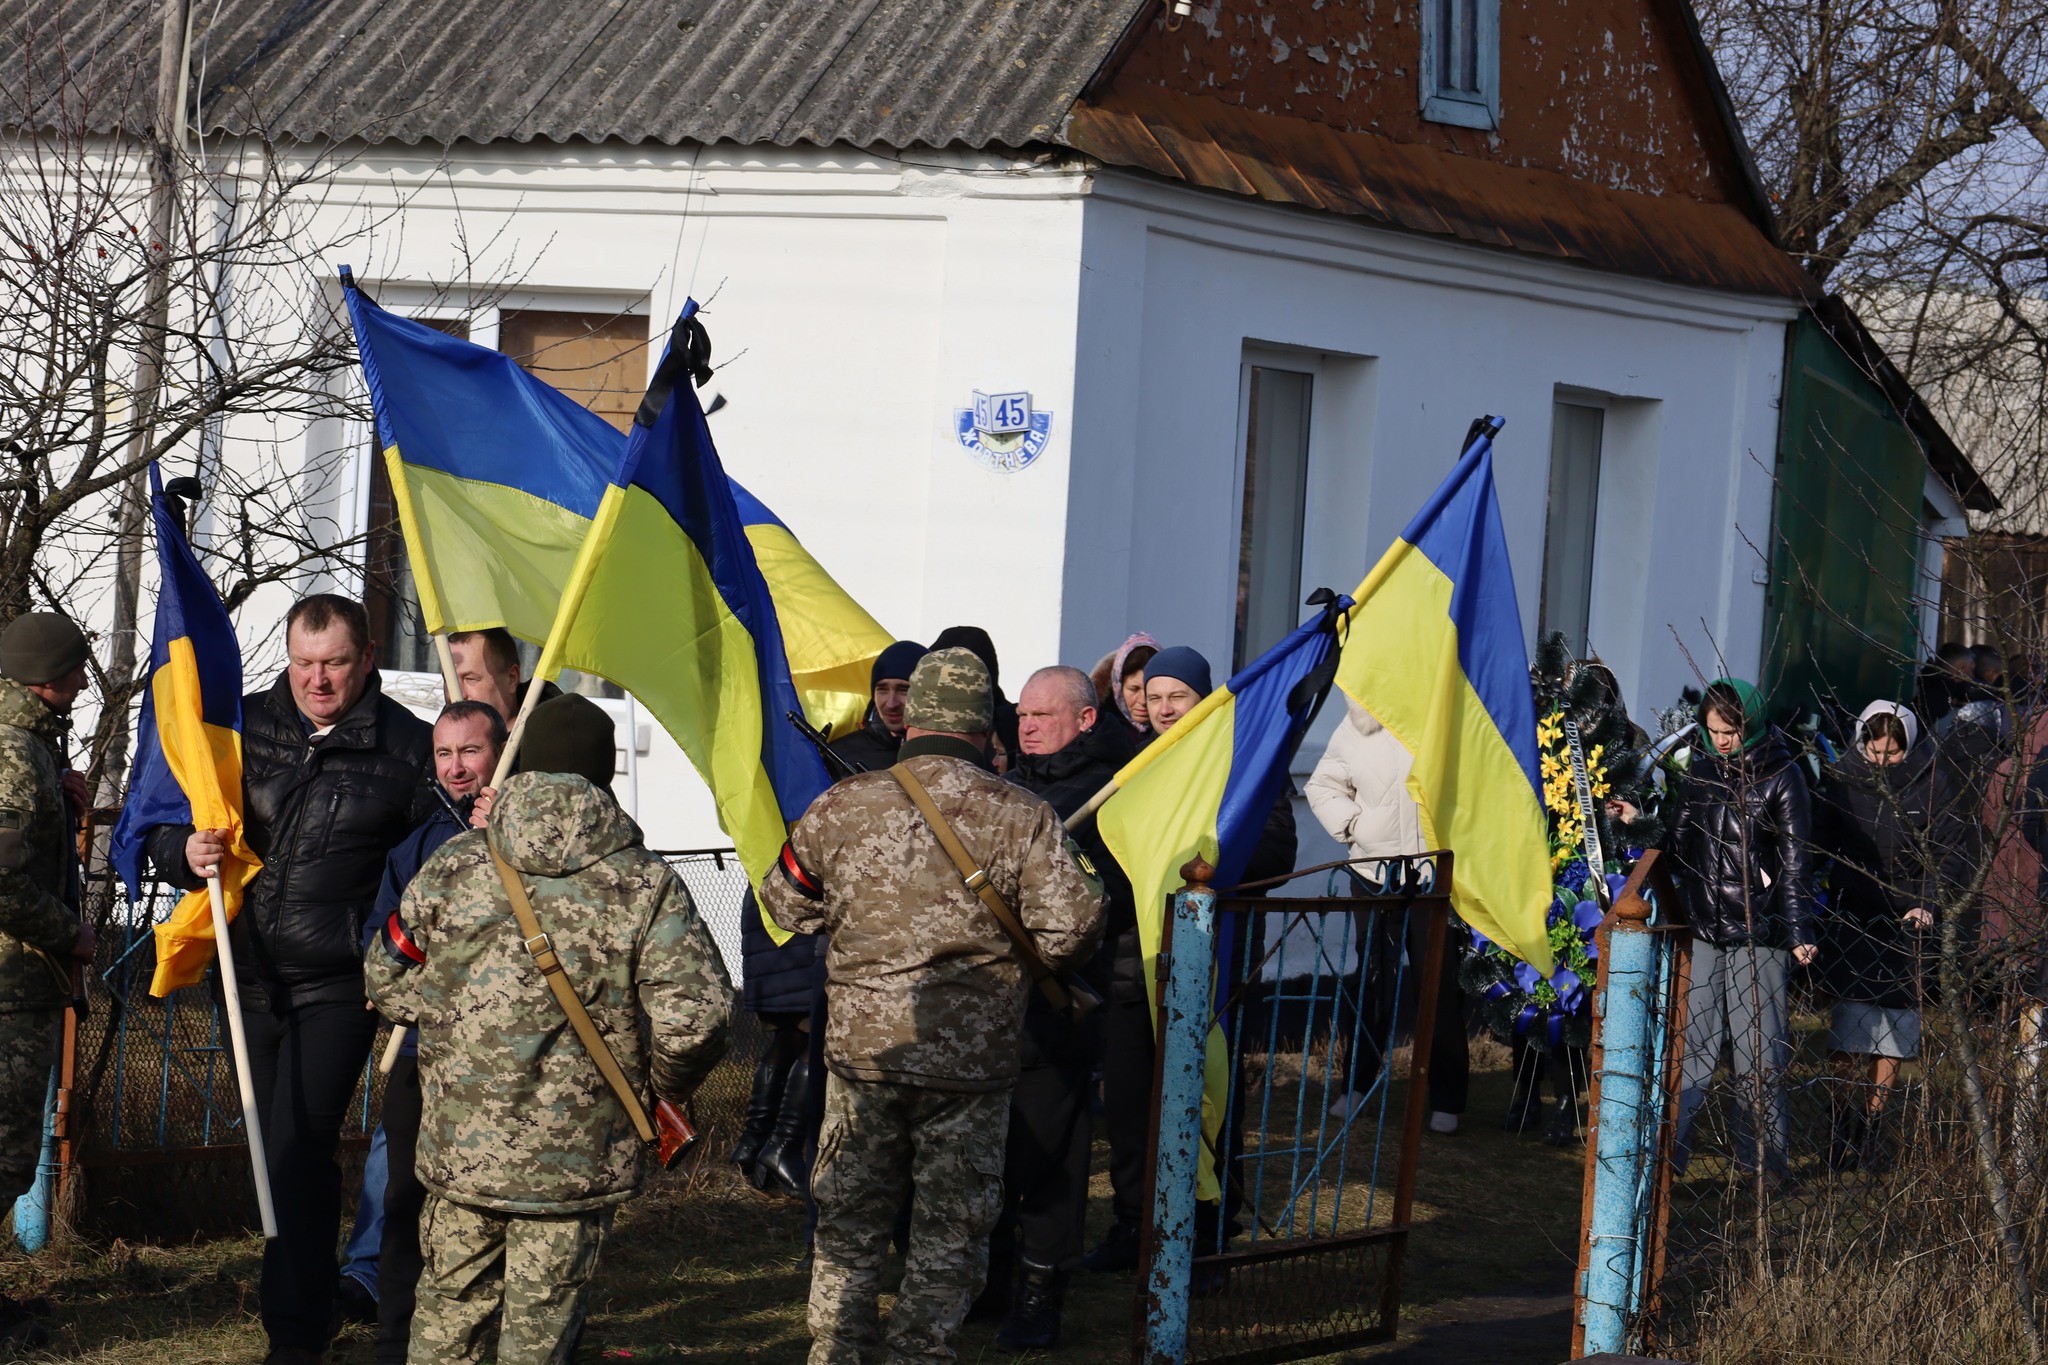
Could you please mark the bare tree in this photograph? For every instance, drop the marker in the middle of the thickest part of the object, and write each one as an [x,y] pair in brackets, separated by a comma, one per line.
[170,299]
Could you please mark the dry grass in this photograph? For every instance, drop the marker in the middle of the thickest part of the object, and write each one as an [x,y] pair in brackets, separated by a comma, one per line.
[703,1269]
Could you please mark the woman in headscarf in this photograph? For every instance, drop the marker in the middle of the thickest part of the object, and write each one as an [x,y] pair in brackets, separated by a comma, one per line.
[1741,835]
[1892,819]
[1120,684]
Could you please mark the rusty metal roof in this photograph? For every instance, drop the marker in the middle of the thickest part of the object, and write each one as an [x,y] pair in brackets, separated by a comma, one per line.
[896,73]
[893,73]
[1425,189]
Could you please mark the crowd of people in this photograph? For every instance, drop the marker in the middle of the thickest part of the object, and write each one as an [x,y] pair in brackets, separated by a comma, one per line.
[922,960]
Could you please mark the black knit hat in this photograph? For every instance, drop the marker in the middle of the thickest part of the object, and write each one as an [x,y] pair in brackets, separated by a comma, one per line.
[570,734]
[895,662]
[39,646]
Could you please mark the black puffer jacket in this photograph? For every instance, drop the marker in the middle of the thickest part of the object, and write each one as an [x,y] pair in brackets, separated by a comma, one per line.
[323,816]
[1899,840]
[1739,821]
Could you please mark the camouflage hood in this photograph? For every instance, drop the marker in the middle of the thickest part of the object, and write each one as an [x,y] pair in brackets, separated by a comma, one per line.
[557,824]
[19,706]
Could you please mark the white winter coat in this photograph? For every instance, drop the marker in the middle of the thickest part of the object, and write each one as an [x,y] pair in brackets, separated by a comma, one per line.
[1359,789]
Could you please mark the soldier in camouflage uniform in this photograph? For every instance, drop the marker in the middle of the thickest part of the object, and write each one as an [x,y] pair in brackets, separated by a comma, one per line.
[42,671]
[924,1006]
[523,1147]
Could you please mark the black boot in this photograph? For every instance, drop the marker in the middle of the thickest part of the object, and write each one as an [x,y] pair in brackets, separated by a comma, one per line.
[1034,1323]
[762,1106]
[782,1167]
[1563,1128]
[1118,1250]
[1845,1141]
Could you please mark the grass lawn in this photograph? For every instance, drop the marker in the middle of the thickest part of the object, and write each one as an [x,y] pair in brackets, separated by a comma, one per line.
[702,1269]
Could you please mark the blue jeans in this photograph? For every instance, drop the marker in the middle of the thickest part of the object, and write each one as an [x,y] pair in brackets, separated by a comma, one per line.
[359,1260]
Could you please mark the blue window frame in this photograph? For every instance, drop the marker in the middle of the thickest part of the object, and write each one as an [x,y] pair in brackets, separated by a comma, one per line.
[1460,75]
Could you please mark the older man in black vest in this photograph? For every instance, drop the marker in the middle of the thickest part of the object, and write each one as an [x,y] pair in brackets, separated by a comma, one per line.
[334,775]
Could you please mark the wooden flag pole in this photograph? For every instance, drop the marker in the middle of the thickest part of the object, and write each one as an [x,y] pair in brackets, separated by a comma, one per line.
[447,658]
[224,961]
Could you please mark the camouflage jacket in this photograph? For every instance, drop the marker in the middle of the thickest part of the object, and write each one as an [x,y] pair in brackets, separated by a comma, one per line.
[923,987]
[516,1116]
[38,864]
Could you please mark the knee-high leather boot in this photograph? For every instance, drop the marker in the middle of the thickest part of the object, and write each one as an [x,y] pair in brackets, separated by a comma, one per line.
[782,1165]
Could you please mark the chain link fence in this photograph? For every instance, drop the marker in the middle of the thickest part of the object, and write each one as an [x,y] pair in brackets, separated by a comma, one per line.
[1851,1158]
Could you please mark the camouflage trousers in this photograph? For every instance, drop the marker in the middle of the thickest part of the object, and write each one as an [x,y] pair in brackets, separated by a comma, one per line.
[880,1141]
[28,1048]
[536,1266]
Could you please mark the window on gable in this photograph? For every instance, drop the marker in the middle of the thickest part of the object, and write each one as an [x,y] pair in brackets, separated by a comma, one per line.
[1460,69]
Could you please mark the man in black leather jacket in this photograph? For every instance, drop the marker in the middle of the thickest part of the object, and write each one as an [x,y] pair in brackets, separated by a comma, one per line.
[1741,837]
[334,775]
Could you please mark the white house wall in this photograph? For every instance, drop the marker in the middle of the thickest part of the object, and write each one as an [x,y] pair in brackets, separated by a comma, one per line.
[1411,339]
[855,303]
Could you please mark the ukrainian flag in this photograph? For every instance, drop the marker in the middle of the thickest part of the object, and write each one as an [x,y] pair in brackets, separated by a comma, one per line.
[188,749]
[1434,649]
[498,477]
[1205,788]
[667,599]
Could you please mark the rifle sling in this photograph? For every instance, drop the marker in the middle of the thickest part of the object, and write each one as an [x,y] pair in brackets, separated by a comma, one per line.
[541,949]
[978,882]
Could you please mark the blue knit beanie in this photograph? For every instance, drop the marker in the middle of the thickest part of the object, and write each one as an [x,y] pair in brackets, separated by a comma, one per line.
[1183,664]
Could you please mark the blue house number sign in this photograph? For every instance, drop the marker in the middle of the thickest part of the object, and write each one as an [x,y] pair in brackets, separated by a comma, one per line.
[1002,431]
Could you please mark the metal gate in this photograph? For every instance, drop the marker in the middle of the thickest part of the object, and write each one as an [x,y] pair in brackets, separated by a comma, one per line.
[1287,1013]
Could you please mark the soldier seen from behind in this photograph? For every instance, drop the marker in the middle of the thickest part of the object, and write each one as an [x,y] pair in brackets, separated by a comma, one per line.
[42,671]
[781,979]
[925,1004]
[524,1148]
[334,775]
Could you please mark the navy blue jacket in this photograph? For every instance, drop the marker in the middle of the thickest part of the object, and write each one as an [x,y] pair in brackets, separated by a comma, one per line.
[400,867]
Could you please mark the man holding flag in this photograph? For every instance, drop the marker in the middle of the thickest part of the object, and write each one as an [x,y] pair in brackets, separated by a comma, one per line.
[42,671]
[335,774]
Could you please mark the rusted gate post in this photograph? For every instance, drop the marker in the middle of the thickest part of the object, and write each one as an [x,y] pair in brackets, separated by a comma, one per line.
[1184,1014]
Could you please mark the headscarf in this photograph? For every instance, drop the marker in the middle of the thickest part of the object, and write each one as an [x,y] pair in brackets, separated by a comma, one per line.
[1139,640]
[1755,727]
[1182,664]
[1908,722]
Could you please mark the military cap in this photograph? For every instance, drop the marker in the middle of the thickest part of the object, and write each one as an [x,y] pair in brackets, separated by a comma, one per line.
[570,734]
[40,646]
[950,693]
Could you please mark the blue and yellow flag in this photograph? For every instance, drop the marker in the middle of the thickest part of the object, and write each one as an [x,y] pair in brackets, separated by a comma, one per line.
[1434,649]
[667,600]
[498,476]
[188,748]
[1206,787]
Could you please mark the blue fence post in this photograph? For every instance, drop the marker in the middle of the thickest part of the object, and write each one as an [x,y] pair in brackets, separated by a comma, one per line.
[1184,1010]
[1626,1136]
[32,1210]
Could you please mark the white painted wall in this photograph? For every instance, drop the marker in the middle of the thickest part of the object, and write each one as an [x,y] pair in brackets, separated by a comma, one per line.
[856,301]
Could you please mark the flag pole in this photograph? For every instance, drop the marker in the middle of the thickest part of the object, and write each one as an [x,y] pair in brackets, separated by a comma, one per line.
[224,962]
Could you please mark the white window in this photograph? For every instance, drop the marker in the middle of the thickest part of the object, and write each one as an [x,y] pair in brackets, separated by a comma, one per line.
[1460,75]
[1574,513]
[1275,403]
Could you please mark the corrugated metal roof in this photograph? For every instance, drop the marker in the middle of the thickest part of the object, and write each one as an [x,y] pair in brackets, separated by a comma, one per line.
[899,73]
[1426,189]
